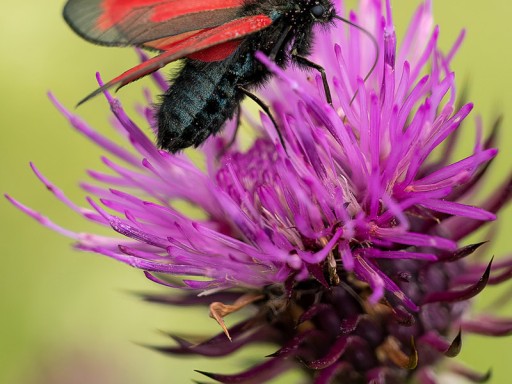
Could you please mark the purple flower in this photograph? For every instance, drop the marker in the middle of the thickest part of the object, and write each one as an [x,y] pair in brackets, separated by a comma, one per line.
[348,241]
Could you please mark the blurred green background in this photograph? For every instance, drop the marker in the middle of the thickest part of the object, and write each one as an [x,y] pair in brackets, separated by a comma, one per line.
[68,317]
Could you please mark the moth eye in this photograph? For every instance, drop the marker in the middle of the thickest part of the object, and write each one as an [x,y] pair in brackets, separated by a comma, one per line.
[318,11]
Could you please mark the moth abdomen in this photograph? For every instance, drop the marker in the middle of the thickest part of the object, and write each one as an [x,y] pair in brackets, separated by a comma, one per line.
[202,98]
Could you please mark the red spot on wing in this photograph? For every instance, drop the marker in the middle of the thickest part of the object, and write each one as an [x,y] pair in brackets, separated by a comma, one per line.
[166,43]
[180,8]
[216,53]
[115,11]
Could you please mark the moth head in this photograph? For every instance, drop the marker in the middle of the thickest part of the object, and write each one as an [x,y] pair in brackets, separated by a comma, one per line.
[309,14]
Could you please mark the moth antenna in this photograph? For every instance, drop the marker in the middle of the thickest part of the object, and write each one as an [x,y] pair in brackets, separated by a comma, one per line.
[375,44]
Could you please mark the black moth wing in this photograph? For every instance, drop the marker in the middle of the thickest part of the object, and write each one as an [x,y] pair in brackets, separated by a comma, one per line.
[135,22]
[209,38]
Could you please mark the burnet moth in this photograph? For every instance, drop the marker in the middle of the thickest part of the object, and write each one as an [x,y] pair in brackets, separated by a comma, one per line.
[217,40]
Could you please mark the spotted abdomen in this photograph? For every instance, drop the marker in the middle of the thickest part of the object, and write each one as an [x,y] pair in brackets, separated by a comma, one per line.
[201,99]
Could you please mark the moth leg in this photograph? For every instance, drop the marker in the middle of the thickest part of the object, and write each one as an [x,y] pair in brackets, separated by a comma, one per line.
[266,109]
[235,133]
[308,63]
[238,122]
[279,44]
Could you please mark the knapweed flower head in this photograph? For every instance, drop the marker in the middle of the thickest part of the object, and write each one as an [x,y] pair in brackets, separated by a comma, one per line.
[346,236]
